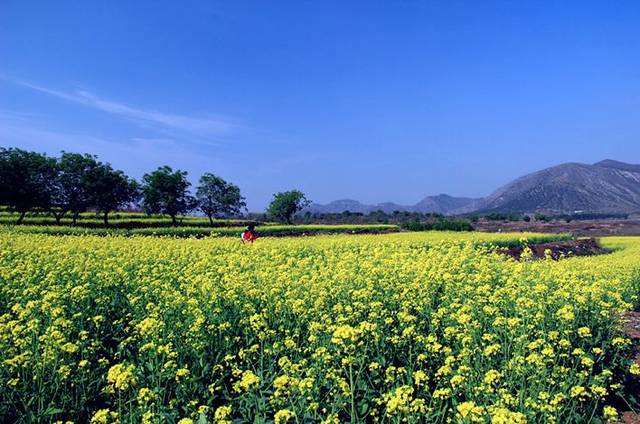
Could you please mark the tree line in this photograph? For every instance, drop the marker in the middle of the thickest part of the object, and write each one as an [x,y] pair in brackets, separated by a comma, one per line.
[74,183]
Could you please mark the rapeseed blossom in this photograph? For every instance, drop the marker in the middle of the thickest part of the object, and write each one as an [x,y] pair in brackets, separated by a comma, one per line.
[417,327]
[122,376]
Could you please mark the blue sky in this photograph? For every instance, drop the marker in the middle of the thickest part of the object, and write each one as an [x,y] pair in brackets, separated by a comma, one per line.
[371,100]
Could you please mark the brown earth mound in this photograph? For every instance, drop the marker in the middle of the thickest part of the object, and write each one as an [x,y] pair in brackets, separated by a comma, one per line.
[560,249]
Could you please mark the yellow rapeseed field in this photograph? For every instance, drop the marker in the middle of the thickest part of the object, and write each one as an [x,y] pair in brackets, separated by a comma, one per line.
[412,327]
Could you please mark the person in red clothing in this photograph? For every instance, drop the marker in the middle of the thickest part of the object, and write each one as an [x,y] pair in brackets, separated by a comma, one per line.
[249,235]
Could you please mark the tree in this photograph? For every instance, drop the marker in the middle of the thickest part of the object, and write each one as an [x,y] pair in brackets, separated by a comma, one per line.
[165,191]
[25,180]
[73,192]
[218,198]
[286,204]
[111,189]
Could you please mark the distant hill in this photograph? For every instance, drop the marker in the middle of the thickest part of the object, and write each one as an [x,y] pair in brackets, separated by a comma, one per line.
[605,187]
[350,205]
[442,203]
[608,186]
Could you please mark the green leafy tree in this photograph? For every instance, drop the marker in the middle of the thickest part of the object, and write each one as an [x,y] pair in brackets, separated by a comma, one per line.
[218,198]
[111,189]
[286,204]
[73,192]
[26,180]
[165,191]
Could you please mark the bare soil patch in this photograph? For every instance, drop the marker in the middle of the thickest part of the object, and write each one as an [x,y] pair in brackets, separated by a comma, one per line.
[629,417]
[582,228]
[560,249]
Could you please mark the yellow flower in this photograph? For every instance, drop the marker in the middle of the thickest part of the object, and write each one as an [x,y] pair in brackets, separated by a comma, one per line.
[70,348]
[122,376]
[492,349]
[578,392]
[331,419]
[399,400]
[620,341]
[149,418]
[283,416]
[344,334]
[146,395]
[587,362]
[104,416]
[465,408]
[505,416]
[182,373]
[491,377]
[222,414]
[457,380]
[64,371]
[441,393]
[566,313]
[420,378]
[584,332]
[610,413]
[248,381]
[599,391]
[470,411]
[148,326]
[289,343]
[435,321]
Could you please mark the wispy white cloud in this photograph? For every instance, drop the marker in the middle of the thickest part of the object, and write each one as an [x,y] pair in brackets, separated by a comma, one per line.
[136,155]
[199,126]
[141,153]
[15,116]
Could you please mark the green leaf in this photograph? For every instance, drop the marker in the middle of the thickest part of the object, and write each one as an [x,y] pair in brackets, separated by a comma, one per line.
[52,411]
[202,419]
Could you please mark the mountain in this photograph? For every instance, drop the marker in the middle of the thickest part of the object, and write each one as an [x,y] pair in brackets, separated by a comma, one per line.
[604,187]
[609,163]
[350,205]
[441,203]
[607,186]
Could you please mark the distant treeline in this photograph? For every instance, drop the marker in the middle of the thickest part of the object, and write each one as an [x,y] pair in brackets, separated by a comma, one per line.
[65,187]
[377,216]
[60,190]
[514,217]
[590,216]
[118,220]
[411,221]
[73,183]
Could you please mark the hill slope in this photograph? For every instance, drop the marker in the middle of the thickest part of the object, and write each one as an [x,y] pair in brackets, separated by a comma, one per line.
[605,187]
[608,186]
